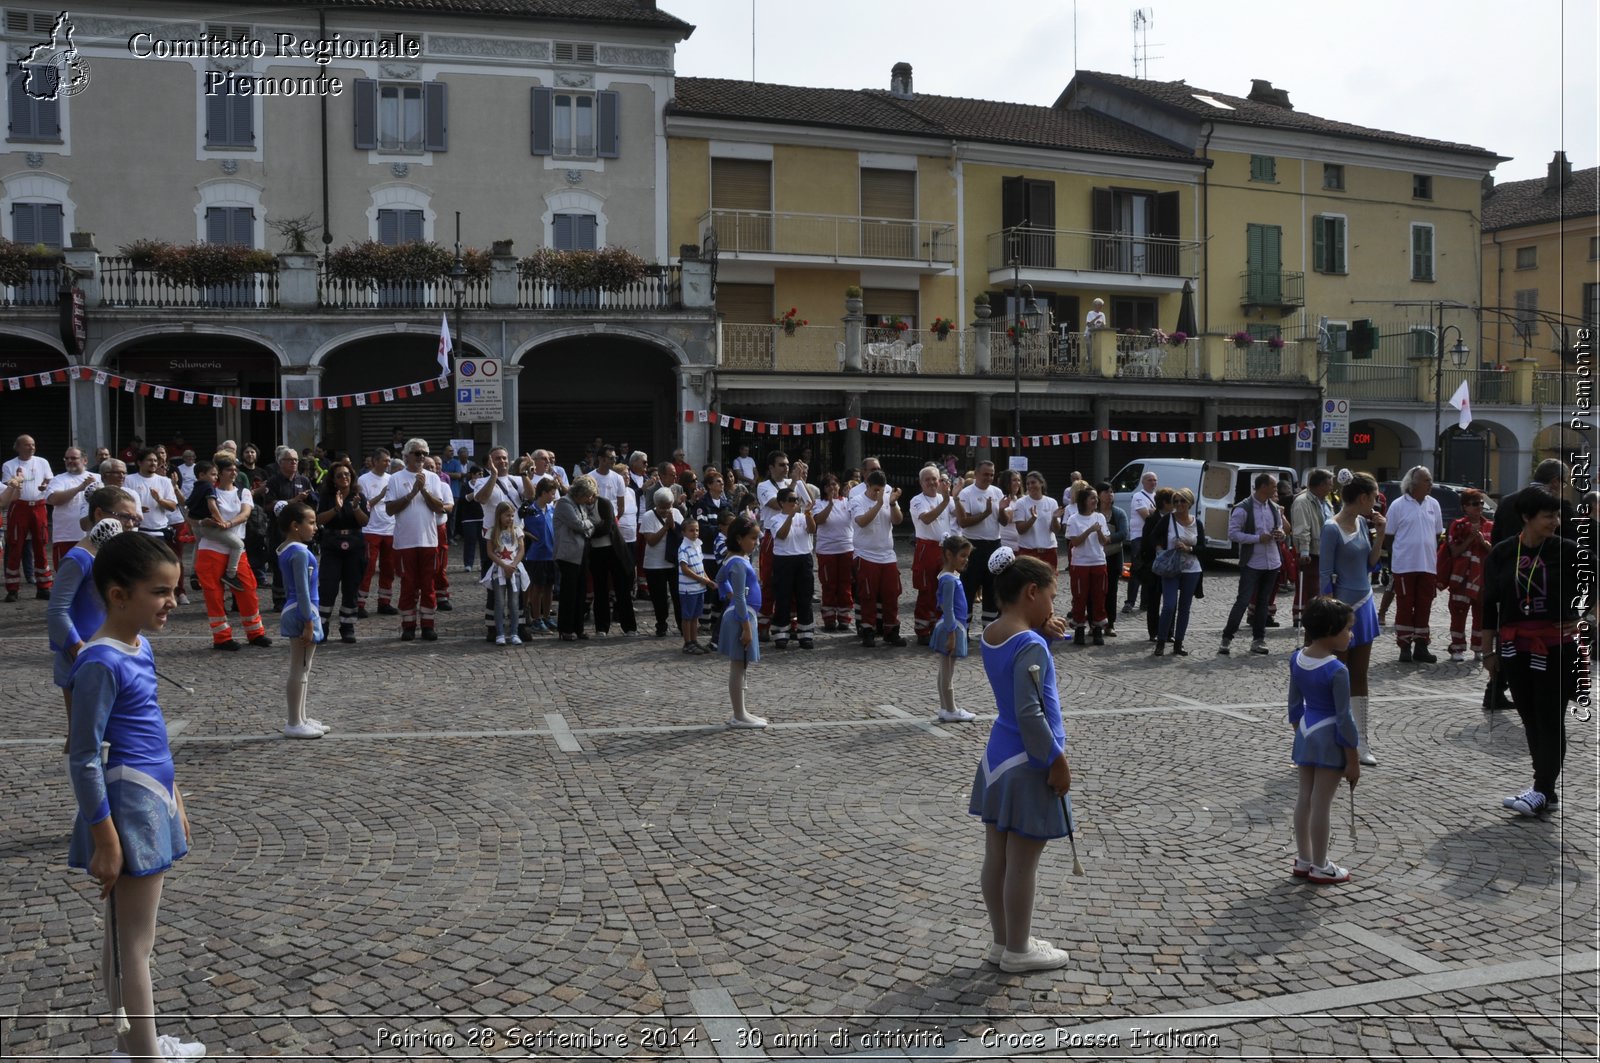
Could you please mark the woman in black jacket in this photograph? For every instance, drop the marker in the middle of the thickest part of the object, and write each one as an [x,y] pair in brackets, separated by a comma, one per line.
[611,572]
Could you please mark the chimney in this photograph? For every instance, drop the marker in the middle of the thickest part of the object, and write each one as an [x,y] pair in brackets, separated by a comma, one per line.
[1488,184]
[648,5]
[1559,173]
[900,81]
[1261,91]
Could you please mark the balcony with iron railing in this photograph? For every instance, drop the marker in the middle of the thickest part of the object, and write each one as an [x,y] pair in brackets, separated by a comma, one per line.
[346,294]
[1557,390]
[1112,261]
[659,289]
[1273,288]
[794,238]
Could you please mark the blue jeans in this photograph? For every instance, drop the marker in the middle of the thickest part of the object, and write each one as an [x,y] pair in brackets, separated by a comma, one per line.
[1255,585]
[1177,592]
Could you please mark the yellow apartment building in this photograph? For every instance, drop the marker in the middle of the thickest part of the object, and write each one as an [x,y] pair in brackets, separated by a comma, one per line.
[1541,284]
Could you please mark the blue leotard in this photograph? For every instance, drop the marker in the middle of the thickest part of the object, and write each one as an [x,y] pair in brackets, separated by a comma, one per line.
[953,615]
[75,611]
[1319,710]
[1010,791]
[301,603]
[114,701]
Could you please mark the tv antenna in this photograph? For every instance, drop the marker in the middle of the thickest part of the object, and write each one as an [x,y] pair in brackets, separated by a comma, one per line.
[1143,18]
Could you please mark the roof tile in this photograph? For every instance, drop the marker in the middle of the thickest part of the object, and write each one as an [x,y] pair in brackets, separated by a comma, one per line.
[1518,203]
[946,117]
[630,12]
[1180,96]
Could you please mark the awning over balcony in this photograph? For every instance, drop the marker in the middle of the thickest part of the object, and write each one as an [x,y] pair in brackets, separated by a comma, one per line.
[792,239]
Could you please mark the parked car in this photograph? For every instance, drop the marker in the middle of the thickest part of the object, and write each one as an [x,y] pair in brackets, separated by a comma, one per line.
[1217,485]
[1447,495]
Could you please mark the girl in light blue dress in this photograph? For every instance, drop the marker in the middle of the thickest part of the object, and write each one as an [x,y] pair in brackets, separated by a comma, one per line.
[1325,735]
[1020,788]
[740,589]
[949,635]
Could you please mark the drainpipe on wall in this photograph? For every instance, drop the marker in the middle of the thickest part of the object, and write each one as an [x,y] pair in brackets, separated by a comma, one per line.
[1205,229]
[327,232]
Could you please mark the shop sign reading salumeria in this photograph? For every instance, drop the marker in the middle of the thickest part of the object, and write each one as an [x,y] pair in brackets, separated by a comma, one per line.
[322,50]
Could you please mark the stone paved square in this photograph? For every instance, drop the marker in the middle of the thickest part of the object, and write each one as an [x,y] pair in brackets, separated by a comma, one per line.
[440,878]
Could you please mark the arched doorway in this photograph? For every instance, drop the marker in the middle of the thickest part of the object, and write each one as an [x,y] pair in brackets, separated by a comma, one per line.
[213,365]
[45,413]
[622,390]
[374,364]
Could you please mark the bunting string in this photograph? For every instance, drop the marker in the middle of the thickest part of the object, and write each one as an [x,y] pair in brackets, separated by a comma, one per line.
[117,382]
[964,439]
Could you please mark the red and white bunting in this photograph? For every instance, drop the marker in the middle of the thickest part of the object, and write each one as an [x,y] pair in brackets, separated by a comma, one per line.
[919,435]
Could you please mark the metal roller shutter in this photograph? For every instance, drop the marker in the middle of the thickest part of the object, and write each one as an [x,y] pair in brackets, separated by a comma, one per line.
[746,304]
[742,185]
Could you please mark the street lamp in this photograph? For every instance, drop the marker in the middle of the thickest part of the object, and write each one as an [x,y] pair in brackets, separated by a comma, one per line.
[458,279]
[1458,356]
[1022,317]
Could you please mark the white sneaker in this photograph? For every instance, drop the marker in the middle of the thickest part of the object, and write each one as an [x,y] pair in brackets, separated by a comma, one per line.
[516,640]
[956,716]
[499,640]
[301,730]
[1458,656]
[997,950]
[753,723]
[1039,957]
[183,599]
[318,724]
[173,1048]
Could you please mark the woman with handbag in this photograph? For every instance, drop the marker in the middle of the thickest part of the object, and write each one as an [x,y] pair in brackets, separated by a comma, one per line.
[1151,544]
[1178,536]
[344,547]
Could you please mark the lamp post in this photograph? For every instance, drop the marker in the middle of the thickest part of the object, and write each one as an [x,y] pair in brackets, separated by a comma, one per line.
[1021,317]
[1458,356]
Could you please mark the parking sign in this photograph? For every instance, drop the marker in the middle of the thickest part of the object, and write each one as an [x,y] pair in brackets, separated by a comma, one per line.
[1336,423]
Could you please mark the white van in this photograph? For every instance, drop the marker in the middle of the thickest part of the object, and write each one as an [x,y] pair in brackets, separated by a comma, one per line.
[1217,485]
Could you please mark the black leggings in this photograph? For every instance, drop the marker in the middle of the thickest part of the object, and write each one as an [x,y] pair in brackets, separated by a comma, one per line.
[611,580]
[977,576]
[341,571]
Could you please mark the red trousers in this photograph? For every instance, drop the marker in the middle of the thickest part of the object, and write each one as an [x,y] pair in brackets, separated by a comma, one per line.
[441,576]
[1047,555]
[58,551]
[24,521]
[1413,601]
[1460,606]
[209,565]
[877,596]
[927,558]
[837,575]
[1088,594]
[417,599]
[768,598]
[380,559]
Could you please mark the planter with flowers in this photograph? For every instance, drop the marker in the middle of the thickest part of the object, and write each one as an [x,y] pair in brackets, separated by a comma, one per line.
[1275,342]
[941,327]
[1177,339]
[1242,340]
[895,327]
[790,322]
[1018,331]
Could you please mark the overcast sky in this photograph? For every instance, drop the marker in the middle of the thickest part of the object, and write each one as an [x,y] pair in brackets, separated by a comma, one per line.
[1482,72]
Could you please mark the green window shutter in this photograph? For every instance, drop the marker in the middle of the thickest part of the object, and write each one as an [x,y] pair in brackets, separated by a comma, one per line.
[1336,243]
[1319,245]
[1263,168]
[1421,253]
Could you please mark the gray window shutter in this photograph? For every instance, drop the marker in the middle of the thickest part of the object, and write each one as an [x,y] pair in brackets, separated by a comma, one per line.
[389,227]
[25,226]
[435,123]
[588,232]
[241,128]
[562,232]
[244,227]
[51,232]
[217,120]
[21,113]
[47,113]
[411,226]
[217,225]
[607,139]
[367,116]
[543,102]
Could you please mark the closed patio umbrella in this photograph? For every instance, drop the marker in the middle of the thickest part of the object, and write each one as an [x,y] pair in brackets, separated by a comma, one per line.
[1186,323]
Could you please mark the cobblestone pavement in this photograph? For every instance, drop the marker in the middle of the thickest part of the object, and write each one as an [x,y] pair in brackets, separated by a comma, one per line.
[555,852]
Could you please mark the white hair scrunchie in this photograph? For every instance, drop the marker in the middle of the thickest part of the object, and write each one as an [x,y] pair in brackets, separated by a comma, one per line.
[277,507]
[104,531]
[1345,476]
[1000,560]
